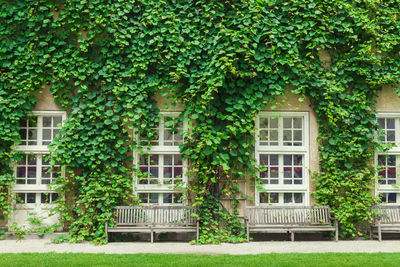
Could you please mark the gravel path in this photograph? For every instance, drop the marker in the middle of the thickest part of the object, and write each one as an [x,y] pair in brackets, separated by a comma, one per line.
[44,245]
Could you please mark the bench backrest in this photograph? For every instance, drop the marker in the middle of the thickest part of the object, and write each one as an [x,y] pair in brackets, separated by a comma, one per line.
[387,214]
[155,215]
[288,215]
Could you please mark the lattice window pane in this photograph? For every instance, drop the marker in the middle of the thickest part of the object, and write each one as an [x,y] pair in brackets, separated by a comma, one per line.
[387,165]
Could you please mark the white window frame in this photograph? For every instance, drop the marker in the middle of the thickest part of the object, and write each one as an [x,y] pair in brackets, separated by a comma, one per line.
[285,150]
[161,150]
[395,150]
[38,149]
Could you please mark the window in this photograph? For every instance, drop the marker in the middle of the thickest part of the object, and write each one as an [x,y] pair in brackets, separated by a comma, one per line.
[162,167]
[389,162]
[36,169]
[33,173]
[160,198]
[39,130]
[26,198]
[47,198]
[282,153]
[32,198]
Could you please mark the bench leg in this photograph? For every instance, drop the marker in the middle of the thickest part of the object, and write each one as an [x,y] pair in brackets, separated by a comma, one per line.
[370,233]
[336,230]
[197,232]
[247,233]
[151,235]
[379,232]
[106,230]
[292,236]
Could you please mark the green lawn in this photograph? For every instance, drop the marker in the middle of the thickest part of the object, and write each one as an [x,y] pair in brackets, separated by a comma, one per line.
[321,259]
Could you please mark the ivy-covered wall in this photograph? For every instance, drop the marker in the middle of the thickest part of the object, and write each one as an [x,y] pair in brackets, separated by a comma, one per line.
[106,62]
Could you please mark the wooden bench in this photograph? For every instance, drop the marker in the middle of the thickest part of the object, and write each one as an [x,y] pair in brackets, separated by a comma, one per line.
[386,219]
[154,219]
[289,219]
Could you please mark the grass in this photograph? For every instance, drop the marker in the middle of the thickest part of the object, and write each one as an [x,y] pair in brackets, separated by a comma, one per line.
[316,259]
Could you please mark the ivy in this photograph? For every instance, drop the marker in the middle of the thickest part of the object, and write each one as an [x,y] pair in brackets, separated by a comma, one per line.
[224,61]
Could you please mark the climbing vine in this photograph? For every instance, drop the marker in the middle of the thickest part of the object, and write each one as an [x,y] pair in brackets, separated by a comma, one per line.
[224,61]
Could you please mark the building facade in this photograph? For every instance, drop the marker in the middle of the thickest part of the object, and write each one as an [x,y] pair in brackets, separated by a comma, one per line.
[286,149]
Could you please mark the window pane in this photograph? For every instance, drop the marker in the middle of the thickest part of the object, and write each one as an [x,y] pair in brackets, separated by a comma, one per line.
[274,197]
[392,198]
[287,135]
[32,159]
[153,198]
[32,121]
[287,123]
[297,123]
[167,172]
[390,136]
[298,172]
[381,160]
[287,173]
[178,198]
[23,123]
[177,160]
[56,121]
[31,172]
[154,160]
[54,196]
[287,198]
[391,160]
[273,135]
[263,159]
[167,159]
[21,198]
[46,172]
[30,198]
[46,134]
[274,123]
[143,197]
[21,172]
[32,134]
[297,135]
[178,172]
[154,172]
[274,159]
[298,160]
[390,123]
[298,197]
[22,133]
[287,159]
[381,123]
[46,121]
[45,198]
[167,198]
[263,197]
[263,122]
[274,172]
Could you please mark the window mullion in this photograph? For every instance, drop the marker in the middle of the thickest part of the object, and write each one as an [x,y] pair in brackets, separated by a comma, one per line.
[39,130]
[161,132]
[280,131]
[280,168]
[396,130]
[39,158]
[161,169]
[397,168]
